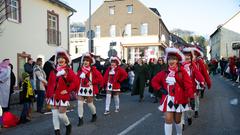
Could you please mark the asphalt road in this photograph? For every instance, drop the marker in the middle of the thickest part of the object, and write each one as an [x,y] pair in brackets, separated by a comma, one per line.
[217,116]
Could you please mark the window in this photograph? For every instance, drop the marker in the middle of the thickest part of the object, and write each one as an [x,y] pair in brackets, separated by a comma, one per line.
[128,30]
[111,10]
[144,29]
[13,10]
[98,31]
[53,33]
[130,9]
[112,30]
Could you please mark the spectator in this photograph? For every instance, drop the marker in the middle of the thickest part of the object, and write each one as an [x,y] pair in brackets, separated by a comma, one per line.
[12,84]
[40,84]
[5,73]
[28,97]
[140,79]
[49,66]
[28,67]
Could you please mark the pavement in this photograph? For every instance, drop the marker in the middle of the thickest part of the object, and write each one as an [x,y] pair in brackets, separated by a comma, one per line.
[219,115]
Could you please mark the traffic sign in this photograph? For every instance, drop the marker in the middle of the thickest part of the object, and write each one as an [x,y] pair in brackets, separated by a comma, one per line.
[91,34]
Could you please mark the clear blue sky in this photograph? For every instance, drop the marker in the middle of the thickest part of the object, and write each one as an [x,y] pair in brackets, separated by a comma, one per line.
[200,16]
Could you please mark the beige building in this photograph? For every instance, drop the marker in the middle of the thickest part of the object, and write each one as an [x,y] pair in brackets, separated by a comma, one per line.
[33,28]
[131,28]
[223,40]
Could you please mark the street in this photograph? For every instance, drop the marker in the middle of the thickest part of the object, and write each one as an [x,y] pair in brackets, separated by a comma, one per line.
[217,116]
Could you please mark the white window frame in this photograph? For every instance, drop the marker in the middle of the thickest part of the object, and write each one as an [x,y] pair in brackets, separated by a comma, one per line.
[98,31]
[111,10]
[112,30]
[11,12]
[144,29]
[128,30]
[130,9]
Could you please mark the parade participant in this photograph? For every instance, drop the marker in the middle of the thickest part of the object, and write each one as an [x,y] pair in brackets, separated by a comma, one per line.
[159,66]
[202,68]
[113,76]
[177,89]
[191,68]
[90,78]
[61,82]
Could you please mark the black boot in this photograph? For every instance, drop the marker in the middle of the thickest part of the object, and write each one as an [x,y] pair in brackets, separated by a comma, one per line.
[57,132]
[202,94]
[68,129]
[189,121]
[94,118]
[183,126]
[80,121]
[196,114]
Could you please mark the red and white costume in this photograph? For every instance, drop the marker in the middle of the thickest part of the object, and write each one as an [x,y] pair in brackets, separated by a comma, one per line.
[177,83]
[202,68]
[89,84]
[113,77]
[60,79]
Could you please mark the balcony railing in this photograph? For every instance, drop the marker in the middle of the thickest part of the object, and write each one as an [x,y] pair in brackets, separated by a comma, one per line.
[53,37]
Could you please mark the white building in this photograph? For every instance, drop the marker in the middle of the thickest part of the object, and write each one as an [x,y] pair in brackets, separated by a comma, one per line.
[33,28]
[222,40]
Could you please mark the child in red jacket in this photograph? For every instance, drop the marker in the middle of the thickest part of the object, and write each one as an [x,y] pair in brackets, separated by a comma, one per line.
[89,78]
[113,76]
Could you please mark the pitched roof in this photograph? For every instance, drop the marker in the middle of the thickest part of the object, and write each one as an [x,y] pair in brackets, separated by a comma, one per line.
[62,4]
[155,11]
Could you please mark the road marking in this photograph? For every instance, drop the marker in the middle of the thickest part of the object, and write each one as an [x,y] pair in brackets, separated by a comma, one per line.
[124,132]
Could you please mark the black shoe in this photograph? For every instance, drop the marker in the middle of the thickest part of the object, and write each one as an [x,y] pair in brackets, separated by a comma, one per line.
[155,101]
[189,121]
[68,129]
[94,118]
[80,121]
[57,132]
[183,125]
[196,114]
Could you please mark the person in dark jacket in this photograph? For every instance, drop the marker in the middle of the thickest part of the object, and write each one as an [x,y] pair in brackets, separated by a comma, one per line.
[28,97]
[140,79]
[49,66]
[12,84]
[160,66]
[28,67]
[150,72]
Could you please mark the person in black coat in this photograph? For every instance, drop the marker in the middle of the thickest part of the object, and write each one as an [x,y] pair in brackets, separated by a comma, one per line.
[49,66]
[140,79]
[12,84]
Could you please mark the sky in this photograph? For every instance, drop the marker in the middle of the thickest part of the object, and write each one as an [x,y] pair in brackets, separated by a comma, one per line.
[199,16]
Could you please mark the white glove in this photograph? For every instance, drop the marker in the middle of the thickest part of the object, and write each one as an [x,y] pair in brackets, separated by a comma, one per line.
[83,75]
[62,72]
[0,111]
[112,72]
[170,80]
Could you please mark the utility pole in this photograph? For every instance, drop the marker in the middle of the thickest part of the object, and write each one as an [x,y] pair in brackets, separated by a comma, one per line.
[90,29]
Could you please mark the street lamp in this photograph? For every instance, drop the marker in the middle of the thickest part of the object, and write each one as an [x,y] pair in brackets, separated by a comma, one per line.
[90,45]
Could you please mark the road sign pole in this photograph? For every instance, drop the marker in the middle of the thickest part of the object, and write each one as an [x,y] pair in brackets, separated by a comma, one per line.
[89,29]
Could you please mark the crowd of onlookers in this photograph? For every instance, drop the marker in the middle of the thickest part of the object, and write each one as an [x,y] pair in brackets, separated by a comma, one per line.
[227,67]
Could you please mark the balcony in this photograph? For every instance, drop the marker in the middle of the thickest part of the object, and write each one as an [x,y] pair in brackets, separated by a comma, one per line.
[53,37]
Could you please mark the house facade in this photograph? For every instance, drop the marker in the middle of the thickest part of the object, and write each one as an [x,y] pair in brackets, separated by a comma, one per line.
[129,28]
[223,40]
[33,28]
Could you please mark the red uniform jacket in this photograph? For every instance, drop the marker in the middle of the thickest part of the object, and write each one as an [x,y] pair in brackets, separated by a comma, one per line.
[183,87]
[57,84]
[202,68]
[120,76]
[97,79]
[195,75]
